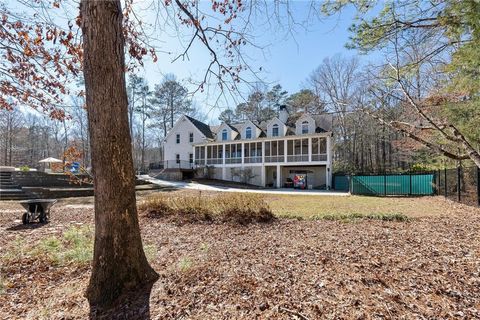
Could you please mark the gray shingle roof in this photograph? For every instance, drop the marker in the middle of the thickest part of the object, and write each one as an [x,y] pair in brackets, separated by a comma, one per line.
[323,123]
[204,128]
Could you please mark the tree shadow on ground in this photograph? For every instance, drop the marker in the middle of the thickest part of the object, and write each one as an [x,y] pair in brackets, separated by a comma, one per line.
[134,305]
[29,226]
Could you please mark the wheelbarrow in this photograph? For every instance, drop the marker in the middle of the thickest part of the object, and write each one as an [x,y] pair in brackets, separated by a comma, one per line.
[37,209]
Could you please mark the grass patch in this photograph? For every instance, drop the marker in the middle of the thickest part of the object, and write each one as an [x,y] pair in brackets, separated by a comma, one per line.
[73,247]
[241,208]
[150,251]
[308,207]
[185,264]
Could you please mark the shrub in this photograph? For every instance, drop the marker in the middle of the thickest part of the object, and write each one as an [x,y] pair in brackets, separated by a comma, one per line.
[239,208]
[24,168]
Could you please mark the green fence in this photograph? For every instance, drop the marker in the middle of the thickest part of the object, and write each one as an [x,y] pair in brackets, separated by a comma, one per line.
[393,184]
[341,182]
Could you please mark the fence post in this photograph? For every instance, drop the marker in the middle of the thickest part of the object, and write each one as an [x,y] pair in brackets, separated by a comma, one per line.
[384,184]
[459,189]
[478,186]
[410,191]
[445,177]
[438,182]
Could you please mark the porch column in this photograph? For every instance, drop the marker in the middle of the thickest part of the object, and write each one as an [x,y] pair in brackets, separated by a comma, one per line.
[310,149]
[329,162]
[243,153]
[262,173]
[278,176]
[205,147]
[263,154]
[329,150]
[285,151]
[224,173]
[327,177]
[223,155]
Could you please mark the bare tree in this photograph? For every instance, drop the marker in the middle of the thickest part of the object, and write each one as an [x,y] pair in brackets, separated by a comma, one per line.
[11,123]
[119,263]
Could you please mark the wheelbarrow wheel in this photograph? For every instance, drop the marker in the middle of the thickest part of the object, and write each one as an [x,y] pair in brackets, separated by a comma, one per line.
[25,218]
[44,218]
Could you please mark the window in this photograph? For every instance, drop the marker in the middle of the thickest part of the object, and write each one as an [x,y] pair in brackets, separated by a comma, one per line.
[304,146]
[178,138]
[290,147]
[220,152]
[190,157]
[224,134]
[304,127]
[319,149]
[275,130]
[177,158]
[248,133]
[190,137]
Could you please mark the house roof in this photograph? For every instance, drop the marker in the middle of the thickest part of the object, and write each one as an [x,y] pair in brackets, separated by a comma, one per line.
[204,128]
[324,123]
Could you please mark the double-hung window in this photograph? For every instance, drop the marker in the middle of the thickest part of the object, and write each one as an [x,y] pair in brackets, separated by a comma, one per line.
[275,130]
[248,133]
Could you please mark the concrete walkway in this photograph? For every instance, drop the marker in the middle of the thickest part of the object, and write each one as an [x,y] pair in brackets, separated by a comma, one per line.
[204,187]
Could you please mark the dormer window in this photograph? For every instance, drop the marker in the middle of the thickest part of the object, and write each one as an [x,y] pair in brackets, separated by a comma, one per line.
[248,133]
[275,130]
[224,134]
[304,127]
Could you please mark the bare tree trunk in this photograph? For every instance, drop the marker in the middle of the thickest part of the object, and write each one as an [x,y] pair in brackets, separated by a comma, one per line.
[119,262]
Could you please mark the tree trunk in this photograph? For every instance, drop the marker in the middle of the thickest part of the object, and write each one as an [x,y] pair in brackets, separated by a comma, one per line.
[119,262]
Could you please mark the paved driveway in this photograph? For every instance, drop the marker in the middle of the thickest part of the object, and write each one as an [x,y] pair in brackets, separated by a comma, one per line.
[204,187]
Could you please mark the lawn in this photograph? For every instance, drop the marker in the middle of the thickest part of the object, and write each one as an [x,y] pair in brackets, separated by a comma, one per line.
[308,207]
[426,267]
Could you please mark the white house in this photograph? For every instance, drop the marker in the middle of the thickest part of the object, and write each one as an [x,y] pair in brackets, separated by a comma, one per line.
[274,153]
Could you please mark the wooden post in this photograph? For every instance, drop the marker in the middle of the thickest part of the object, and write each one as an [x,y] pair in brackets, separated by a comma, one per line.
[478,186]
[445,177]
[459,189]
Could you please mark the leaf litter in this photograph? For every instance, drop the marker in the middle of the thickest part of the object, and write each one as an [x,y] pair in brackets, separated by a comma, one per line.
[425,268]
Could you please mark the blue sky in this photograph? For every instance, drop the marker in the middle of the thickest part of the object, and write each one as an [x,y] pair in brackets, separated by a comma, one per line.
[286,59]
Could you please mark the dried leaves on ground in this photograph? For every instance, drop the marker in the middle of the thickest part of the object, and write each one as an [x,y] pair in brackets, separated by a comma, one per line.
[426,267]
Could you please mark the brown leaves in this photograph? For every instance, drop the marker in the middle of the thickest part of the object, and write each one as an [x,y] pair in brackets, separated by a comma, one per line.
[427,268]
[38,62]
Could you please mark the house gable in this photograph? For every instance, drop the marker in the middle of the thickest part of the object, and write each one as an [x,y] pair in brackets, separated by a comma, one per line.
[305,121]
[231,132]
[188,134]
[255,130]
[282,128]
[181,123]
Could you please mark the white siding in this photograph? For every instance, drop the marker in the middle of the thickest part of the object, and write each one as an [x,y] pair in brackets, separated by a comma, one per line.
[311,124]
[255,130]
[183,127]
[231,134]
[281,128]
